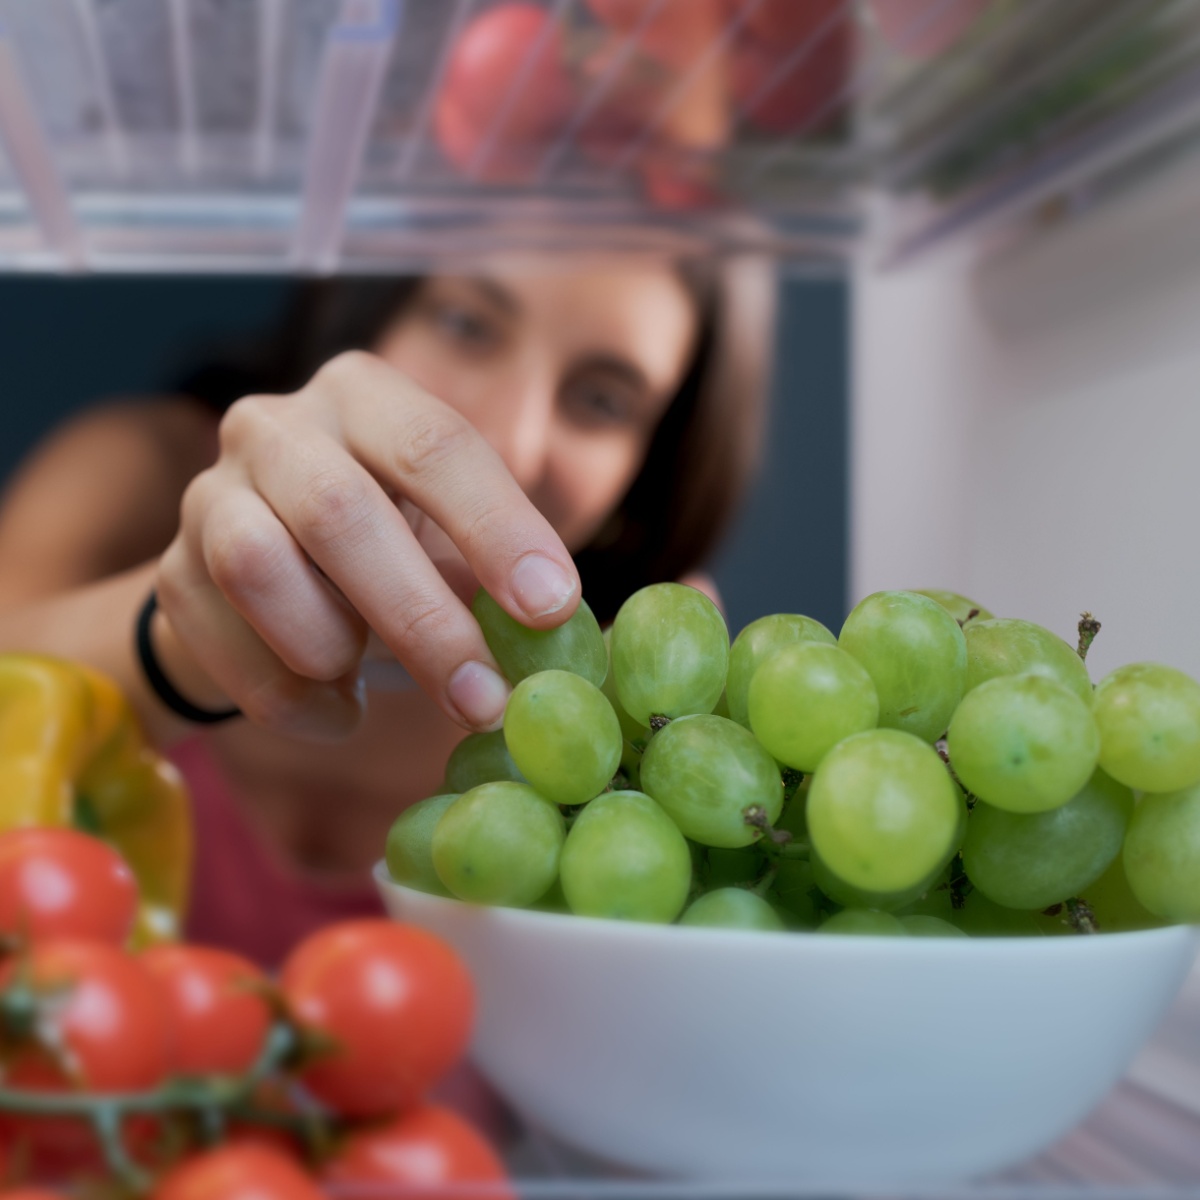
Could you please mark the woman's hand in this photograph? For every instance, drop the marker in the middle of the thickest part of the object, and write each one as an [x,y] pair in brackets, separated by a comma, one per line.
[295,545]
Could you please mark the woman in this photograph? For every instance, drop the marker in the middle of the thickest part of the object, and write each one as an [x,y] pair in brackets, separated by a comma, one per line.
[543,432]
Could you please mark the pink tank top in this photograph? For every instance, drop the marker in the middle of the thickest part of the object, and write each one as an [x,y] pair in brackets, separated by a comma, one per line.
[245,895]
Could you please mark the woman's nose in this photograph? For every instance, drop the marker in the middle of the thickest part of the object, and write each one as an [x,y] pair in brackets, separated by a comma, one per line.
[520,427]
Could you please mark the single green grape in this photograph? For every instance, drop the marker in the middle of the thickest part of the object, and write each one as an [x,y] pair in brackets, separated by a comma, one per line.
[793,892]
[563,736]
[732,908]
[757,643]
[1009,646]
[1162,854]
[670,649]
[1149,718]
[624,858]
[499,843]
[409,848]
[915,653]
[842,893]
[1023,743]
[806,698]
[631,766]
[883,812]
[729,868]
[1035,860]
[864,921]
[978,916]
[964,610]
[1116,908]
[553,901]
[577,645]
[631,731]
[480,758]
[918,925]
[981,917]
[707,772]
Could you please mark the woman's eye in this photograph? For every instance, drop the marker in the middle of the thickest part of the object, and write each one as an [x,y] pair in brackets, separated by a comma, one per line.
[600,401]
[463,325]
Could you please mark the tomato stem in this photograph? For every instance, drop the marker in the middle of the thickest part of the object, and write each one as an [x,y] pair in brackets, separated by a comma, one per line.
[212,1099]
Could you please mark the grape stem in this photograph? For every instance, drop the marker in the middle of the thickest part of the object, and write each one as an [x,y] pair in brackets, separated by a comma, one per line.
[1081,917]
[762,885]
[791,780]
[1088,628]
[960,886]
[944,755]
[777,843]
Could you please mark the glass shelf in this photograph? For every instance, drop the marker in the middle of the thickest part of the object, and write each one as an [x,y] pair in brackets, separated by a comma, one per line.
[355,135]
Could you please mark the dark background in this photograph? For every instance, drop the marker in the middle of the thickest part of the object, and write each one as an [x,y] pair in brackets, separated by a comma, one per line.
[65,342]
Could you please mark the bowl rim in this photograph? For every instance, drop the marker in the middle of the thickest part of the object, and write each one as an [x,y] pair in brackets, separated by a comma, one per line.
[646,932]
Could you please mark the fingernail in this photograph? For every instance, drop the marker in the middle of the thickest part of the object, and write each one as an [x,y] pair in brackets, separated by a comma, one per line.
[541,586]
[479,694]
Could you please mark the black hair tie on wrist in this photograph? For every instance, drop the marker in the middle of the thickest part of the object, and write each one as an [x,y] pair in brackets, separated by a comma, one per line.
[163,688]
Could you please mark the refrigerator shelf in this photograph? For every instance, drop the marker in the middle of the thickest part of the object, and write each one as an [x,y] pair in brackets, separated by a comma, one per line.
[378,135]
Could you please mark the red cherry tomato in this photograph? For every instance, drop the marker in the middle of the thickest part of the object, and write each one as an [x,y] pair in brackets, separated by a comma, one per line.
[106,1011]
[679,35]
[221,1016]
[460,139]
[491,77]
[427,1151]
[107,1014]
[396,1003]
[244,1170]
[62,883]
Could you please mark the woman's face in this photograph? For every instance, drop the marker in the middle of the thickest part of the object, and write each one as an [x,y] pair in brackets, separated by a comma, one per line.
[565,373]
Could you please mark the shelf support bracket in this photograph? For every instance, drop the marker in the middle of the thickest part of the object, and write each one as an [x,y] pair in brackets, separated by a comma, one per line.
[33,162]
[347,95]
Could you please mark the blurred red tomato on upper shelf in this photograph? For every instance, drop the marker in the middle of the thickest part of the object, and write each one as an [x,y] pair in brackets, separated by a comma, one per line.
[506,92]
[662,84]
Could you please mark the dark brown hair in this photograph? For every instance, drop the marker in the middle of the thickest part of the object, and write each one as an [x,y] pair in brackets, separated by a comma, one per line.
[700,458]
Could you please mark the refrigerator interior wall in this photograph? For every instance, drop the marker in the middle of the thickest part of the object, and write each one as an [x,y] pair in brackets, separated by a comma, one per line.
[1026,428]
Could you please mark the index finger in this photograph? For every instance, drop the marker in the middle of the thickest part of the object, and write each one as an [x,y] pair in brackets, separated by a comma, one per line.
[433,456]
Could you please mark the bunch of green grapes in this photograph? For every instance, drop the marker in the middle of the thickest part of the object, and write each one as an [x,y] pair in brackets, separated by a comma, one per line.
[931,771]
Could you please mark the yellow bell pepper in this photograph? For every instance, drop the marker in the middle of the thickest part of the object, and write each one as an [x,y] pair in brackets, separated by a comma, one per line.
[71,753]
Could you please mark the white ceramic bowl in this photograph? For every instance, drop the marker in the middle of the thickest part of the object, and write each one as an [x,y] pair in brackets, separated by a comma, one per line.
[723,1055]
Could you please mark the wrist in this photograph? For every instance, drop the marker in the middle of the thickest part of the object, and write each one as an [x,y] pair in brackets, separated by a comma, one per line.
[173,673]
